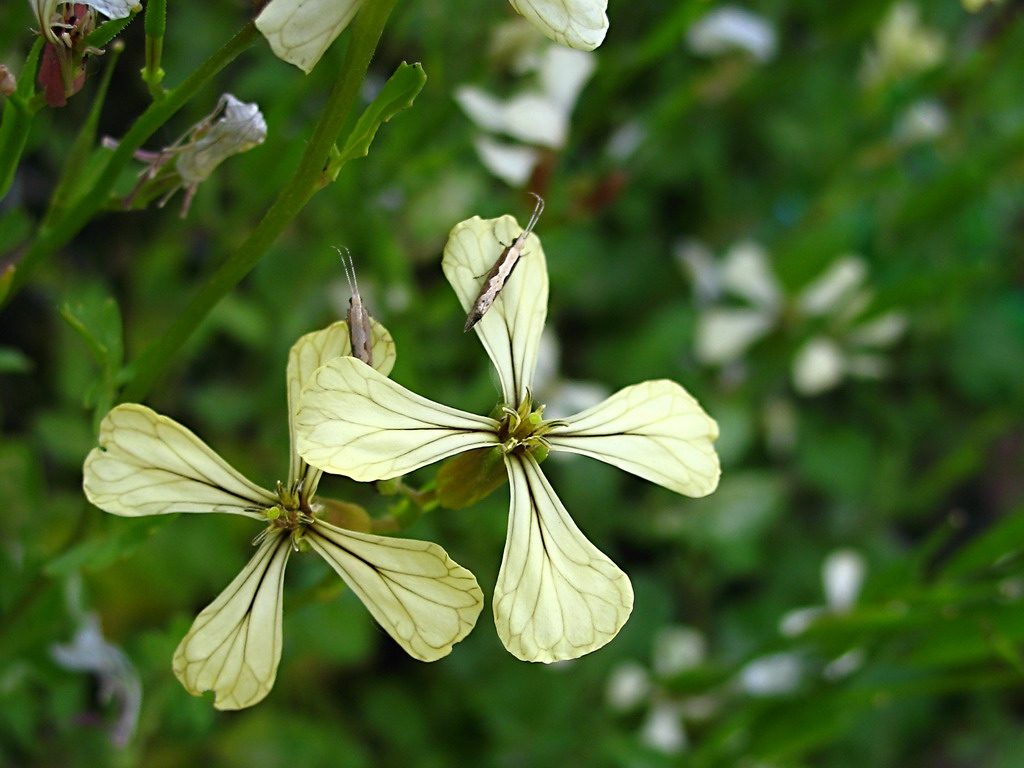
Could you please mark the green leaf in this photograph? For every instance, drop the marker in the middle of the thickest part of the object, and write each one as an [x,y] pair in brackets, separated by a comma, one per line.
[97,319]
[397,94]
[107,31]
[465,479]
[101,551]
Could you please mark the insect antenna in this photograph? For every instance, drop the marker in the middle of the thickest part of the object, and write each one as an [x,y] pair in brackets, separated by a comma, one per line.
[535,216]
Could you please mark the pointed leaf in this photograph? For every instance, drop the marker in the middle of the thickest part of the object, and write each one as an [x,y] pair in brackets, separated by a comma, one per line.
[148,464]
[557,596]
[656,430]
[426,601]
[352,421]
[234,645]
[510,330]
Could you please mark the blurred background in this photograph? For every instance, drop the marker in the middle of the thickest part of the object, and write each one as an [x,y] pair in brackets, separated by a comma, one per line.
[809,214]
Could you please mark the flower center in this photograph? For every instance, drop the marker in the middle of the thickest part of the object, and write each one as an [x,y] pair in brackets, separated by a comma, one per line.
[522,430]
[293,513]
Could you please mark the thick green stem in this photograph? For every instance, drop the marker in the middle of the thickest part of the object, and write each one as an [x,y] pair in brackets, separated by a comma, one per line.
[154,360]
[156,23]
[61,231]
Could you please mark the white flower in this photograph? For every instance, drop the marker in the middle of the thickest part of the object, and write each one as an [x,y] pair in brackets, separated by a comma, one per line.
[842,575]
[903,47]
[628,686]
[300,31]
[148,464]
[924,120]
[731,28]
[847,345]
[774,675]
[678,649]
[537,116]
[90,652]
[663,729]
[557,596]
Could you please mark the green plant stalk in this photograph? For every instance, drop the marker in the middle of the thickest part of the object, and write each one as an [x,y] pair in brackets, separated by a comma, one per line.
[17,119]
[151,363]
[61,231]
[156,24]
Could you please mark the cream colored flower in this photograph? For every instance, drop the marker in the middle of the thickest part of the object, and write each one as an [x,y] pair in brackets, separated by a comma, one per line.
[46,13]
[300,31]
[557,596]
[148,464]
[903,47]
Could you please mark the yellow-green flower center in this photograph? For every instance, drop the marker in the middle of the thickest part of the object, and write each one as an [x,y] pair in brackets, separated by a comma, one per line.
[522,430]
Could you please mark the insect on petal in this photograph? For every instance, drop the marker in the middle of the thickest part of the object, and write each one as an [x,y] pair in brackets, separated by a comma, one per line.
[299,31]
[309,353]
[353,421]
[510,330]
[557,596]
[148,464]
[425,600]
[580,24]
[234,645]
[655,430]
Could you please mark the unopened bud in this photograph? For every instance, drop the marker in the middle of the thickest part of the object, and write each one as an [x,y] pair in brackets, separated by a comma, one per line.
[8,84]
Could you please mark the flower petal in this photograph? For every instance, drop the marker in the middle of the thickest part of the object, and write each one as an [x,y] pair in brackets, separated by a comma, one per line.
[299,31]
[511,329]
[234,645]
[656,430]
[148,464]
[557,596]
[578,24]
[425,600]
[353,421]
[309,353]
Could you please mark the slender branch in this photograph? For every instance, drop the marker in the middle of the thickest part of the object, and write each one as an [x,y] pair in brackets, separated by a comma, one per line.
[61,231]
[156,23]
[151,363]
[17,119]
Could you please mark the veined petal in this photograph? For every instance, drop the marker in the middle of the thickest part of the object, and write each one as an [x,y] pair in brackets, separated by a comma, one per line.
[557,596]
[148,464]
[510,331]
[656,430]
[353,421]
[299,31]
[234,646]
[425,600]
[309,353]
[578,24]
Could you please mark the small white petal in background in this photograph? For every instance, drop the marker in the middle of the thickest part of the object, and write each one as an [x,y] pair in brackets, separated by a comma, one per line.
[842,575]
[678,649]
[747,273]
[828,293]
[628,686]
[819,366]
[924,120]
[663,730]
[537,116]
[774,675]
[90,652]
[845,665]
[699,262]
[723,335]
[239,128]
[561,397]
[883,331]
[729,28]
[903,47]
[625,141]
[512,163]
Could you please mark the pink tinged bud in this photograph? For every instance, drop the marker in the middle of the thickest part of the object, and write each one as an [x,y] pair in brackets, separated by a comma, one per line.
[8,83]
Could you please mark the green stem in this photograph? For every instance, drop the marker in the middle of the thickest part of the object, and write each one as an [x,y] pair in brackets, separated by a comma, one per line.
[151,363]
[156,23]
[17,119]
[60,232]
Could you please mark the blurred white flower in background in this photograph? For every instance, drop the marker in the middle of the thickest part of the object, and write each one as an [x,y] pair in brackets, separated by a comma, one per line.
[729,28]
[740,301]
[561,397]
[842,576]
[774,675]
[535,117]
[903,47]
[117,679]
[924,120]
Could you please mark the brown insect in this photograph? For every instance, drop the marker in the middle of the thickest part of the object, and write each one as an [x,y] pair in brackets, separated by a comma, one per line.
[360,333]
[495,280]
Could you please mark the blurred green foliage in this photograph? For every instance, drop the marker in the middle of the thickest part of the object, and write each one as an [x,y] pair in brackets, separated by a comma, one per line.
[920,472]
